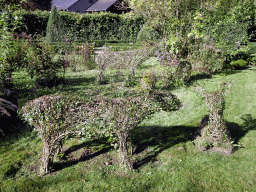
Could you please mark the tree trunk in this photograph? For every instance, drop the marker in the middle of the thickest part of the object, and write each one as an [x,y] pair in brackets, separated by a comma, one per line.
[123,151]
[47,158]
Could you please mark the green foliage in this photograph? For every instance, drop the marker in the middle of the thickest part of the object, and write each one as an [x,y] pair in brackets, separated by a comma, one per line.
[239,64]
[238,59]
[40,63]
[34,23]
[11,52]
[204,55]
[175,74]
[130,81]
[166,101]
[54,31]
[254,61]
[227,24]
[183,71]
[147,33]
[81,58]
[84,27]
[148,80]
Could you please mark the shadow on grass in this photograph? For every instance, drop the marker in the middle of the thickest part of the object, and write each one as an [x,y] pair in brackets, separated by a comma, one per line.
[115,77]
[160,138]
[12,128]
[80,81]
[199,76]
[85,156]
[228,72]
[237,132]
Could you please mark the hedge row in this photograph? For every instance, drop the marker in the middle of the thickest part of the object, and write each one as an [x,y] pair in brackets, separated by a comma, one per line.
[96,26]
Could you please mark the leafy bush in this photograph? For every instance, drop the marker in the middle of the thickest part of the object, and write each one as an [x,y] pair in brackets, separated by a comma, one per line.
[239,64]
[177,74]
[42,65]
[122,60]
[148,80]
[199,51]
[183,71]
[253,61]
[147,33]
[11,51]
[81,57]
[166,101]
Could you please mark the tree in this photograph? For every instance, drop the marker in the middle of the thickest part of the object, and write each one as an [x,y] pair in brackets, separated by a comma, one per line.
[55,30]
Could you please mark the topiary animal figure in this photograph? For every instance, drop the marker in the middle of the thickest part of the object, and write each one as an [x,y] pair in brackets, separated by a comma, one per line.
[55,118]
[214,133]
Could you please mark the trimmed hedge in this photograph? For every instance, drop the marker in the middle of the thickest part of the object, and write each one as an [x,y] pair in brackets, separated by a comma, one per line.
[89,27]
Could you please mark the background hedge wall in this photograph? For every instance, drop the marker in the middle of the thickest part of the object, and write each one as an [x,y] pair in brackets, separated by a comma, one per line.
[96,26]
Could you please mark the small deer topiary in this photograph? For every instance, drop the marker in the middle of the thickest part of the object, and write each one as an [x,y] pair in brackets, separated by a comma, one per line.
[214,133]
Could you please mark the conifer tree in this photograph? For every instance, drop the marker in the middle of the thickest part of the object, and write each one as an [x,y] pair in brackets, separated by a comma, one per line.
[54,31]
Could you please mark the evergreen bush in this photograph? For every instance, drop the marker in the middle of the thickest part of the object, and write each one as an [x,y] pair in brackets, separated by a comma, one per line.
[54,30]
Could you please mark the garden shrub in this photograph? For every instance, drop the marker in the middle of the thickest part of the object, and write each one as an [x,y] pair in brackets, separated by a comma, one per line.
[81,57]
[147,33]
[148,80]
[176,74]
[42,66]
[238,64]
[199,51]
[123,60]
[214,133]
[253,61]
[119,116]
[15,58]
[183,71]
[166,101]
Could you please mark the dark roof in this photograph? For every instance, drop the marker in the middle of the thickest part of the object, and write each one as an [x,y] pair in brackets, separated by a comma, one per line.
[101,5]
[63,4]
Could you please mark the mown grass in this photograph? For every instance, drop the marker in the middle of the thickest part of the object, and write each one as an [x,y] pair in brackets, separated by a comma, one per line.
[165,158]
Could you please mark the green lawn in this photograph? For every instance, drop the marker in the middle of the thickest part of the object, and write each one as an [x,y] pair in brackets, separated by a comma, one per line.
[165,158]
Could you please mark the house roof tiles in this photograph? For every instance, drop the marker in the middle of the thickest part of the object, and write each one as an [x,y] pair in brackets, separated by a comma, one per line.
[101,5]
[63,4]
